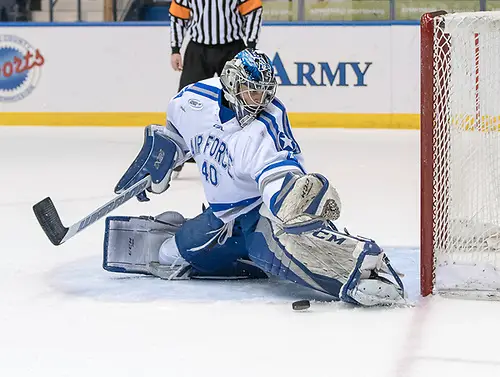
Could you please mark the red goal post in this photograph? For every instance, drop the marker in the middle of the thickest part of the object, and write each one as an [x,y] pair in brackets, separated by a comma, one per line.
[460,153]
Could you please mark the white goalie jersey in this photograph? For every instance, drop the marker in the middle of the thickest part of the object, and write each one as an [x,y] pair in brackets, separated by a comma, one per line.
[239,167]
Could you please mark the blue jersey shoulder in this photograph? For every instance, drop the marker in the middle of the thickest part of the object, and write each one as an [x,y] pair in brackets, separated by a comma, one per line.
[206,88]
[275,118]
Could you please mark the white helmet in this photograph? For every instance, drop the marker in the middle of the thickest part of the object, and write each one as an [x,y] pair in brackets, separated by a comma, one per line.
[249,84]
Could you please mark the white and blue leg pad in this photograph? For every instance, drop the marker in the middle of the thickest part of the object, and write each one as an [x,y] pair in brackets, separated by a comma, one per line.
[366,287]
[272,257]
[132,243]
[324,259]
[156,158]
[299,258]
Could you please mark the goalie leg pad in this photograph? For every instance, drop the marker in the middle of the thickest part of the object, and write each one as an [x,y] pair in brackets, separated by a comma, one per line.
[328,261]
[378,291]
[297,265]
[366,287]
[131,243]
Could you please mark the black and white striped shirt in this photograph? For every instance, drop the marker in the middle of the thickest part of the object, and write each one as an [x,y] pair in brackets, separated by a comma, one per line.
[215,22]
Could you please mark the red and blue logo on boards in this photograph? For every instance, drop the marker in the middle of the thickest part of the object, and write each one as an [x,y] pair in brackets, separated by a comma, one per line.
[20,68]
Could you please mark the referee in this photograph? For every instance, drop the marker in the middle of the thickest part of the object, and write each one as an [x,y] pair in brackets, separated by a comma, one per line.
[219,29]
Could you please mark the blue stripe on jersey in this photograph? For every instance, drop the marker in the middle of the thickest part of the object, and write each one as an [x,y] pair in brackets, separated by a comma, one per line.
[286,123]
[264,118]
[281,135]
[203,93]
[291,162]
[183,91]
[217,207]
[225,113]
[210,88]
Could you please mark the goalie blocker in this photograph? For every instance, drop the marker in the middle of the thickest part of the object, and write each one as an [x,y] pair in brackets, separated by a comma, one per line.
[157,158]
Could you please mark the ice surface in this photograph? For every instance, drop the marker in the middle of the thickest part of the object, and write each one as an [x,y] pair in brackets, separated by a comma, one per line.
[62,315]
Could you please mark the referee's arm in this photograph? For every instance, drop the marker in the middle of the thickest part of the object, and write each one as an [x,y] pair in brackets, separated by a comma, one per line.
[179,16]
[251,10]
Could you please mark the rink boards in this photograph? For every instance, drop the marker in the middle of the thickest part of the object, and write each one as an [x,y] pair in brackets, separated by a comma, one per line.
[331,75]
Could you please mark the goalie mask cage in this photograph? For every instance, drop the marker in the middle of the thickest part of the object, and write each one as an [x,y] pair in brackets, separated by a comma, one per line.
[460,154]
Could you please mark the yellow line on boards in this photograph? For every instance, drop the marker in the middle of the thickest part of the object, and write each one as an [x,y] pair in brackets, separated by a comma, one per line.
[335,120]
[81,119]
[297,120]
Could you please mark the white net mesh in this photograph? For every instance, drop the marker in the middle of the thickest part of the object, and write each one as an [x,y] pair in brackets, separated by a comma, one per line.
[466,152]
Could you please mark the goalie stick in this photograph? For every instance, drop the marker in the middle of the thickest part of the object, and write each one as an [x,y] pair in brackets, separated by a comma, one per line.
[50,221]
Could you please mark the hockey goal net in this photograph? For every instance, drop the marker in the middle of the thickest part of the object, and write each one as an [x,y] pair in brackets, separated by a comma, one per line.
[460,153]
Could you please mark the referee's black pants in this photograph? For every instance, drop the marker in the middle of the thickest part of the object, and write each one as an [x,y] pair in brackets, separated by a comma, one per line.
[204,61]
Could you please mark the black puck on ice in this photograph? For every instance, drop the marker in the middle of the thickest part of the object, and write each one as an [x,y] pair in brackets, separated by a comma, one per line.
[301,305]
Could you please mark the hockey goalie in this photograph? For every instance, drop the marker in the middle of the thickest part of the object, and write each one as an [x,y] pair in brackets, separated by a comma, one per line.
[266,215]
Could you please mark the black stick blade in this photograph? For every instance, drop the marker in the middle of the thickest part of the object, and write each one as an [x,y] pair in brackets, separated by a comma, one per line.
[49,220]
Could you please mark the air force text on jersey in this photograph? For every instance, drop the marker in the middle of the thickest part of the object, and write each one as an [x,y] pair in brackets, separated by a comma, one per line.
[212,146]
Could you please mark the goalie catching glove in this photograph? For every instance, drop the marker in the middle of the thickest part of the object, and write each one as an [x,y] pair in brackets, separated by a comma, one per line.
[305,202]
[157,158]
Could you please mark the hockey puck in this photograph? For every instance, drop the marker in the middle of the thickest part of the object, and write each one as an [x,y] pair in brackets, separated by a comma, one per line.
[301,305]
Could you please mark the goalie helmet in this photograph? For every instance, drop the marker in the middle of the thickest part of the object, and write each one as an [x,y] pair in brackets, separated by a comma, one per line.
[249,84]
